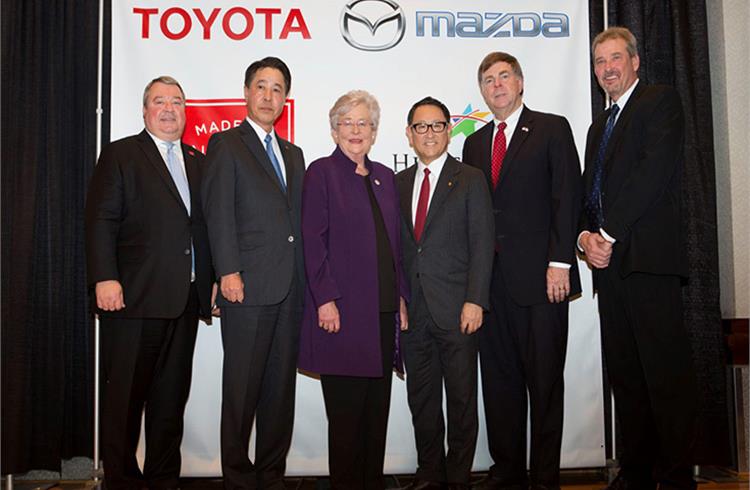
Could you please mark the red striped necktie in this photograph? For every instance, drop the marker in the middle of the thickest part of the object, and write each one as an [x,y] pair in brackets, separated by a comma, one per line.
[498,153]
[424,198]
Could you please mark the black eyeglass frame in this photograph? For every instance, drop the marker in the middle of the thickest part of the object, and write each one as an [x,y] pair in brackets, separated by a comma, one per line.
[433,126]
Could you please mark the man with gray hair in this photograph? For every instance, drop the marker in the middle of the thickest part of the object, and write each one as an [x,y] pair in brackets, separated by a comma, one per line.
[630,235]
[149,270]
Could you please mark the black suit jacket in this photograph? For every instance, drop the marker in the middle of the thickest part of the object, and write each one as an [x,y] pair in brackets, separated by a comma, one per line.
[253,224]
[453,259]
[536,203]
[138,230]
[641,186]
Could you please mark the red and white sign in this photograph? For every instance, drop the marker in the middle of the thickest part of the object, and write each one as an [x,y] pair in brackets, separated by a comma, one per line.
[205,117]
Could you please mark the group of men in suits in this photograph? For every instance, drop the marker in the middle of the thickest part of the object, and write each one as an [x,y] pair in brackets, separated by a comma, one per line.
[489,249]
[152,205]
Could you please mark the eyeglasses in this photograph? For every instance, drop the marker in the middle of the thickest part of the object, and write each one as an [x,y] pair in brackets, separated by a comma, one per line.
[422,127]
[350,123]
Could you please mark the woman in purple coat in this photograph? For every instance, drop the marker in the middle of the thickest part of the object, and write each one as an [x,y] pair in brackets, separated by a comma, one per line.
[356,292]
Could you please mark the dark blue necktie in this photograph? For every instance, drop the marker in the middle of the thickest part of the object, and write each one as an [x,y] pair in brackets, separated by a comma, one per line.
[594,197]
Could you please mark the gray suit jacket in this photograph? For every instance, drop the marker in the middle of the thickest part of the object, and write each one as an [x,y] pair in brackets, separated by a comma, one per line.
[254,227]
[452,262]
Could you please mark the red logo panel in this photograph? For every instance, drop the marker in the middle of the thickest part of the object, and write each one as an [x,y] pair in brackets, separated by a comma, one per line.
[205,117]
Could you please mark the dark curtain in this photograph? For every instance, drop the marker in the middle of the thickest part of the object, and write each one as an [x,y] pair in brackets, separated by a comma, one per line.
[49,52]
[673,47]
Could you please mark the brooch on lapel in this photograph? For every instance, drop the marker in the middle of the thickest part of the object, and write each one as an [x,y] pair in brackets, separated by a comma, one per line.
[524,129]
[450,183]
[377,182]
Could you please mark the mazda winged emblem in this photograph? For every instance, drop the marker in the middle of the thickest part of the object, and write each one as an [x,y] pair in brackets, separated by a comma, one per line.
[350,13]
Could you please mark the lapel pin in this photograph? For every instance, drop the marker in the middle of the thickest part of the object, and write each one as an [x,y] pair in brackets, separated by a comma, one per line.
[377,182]
[191,153]
[450,183]
[524,128]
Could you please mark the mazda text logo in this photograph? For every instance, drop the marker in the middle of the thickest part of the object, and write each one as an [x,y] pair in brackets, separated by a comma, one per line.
[360,12]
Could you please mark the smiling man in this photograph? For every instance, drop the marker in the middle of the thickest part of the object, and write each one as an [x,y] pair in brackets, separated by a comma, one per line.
[631,236]
[252,193]
[533,173]
[150,270]
[447,235]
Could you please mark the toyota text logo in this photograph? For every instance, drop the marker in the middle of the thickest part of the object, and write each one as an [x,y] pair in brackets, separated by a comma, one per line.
[369,35]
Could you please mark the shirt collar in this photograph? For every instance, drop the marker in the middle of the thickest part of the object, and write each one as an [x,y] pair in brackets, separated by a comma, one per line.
[511,120]
[435,166]
[260,131]
[626,96]
[163,143]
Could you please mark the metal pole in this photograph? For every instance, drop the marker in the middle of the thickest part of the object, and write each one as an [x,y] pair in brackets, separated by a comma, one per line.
[99,112]
[614,432]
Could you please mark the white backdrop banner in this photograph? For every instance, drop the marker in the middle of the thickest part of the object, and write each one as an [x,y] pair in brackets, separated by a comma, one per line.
[400,51]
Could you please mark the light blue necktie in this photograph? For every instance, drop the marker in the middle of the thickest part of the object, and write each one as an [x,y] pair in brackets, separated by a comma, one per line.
[274,160]
[178,175]
[180,180]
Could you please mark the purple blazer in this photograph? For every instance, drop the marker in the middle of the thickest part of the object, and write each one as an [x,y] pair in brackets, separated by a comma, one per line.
[338,235]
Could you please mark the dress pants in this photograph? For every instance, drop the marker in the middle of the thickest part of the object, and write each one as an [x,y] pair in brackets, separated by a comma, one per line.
[650,369]
[357,410]
[432,356]
[522,356]
[260,367]
[146,363]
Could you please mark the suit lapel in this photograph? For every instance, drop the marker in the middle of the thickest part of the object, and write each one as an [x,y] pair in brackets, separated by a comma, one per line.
[406,194]
[445,184]
[621,125]
[523,128]
[193,175]
[292,179]
[252,141]
[155,159]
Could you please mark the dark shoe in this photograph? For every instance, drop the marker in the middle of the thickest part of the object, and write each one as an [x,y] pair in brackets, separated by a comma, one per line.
[423,485]
[622,483]
[491,483]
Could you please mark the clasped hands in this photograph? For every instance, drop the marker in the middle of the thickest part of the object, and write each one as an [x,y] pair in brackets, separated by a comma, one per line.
[597,249]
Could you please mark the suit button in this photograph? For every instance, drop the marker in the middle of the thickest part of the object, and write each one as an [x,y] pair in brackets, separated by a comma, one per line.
[187,251]
[419,250]
[290,239]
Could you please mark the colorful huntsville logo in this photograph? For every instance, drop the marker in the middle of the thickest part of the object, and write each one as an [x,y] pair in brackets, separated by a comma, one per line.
[466,123]
[205,117]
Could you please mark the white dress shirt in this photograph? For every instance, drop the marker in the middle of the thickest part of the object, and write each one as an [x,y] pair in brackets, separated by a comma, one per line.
[274,143]
[162,146]
[435,167]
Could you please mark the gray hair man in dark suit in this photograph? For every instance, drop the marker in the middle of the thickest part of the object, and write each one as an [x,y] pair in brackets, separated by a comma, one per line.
[630,232]
[149,268]
[447,234]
